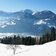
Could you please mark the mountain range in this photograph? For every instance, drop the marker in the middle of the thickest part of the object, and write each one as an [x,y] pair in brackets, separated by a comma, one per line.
[27,22]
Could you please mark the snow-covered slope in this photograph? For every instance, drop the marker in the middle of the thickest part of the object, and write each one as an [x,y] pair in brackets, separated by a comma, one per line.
[48,49]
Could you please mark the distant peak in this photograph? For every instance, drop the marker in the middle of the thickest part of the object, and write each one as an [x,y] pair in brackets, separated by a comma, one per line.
[47,11]
[28,11]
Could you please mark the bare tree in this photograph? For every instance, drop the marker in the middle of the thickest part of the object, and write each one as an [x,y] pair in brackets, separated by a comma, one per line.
[13,47]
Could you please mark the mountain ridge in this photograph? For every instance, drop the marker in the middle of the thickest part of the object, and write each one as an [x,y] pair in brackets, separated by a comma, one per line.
[26,22]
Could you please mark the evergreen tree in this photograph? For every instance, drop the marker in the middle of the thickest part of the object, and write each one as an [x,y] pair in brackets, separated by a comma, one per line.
[52,33]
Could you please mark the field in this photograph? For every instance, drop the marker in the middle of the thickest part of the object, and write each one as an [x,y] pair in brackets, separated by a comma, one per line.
[48,49]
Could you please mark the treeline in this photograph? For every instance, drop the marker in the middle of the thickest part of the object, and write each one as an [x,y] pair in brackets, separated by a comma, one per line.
[47,37]
[18,40]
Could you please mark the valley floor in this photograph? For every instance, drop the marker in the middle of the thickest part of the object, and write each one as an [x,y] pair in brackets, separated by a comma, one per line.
[48,49]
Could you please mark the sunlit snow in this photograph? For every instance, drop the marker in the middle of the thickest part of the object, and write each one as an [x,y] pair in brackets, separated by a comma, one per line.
[48,49]
[40,22]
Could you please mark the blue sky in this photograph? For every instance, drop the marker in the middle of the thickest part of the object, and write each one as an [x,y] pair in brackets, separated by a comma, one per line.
[17,5]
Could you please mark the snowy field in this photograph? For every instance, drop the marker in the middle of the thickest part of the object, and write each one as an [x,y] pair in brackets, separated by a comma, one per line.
[48,49]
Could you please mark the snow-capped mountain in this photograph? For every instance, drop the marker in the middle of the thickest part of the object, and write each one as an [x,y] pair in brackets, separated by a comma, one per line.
[44,14]
[26,22]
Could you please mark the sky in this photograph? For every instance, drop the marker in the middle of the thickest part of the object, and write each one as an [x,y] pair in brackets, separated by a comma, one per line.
[35,5]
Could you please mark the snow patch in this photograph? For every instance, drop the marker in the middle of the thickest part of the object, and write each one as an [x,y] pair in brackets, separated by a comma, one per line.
[52,26]
[40,22]
[34,13]
[49,25]
[47,19]
[3,24]
[13,23]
